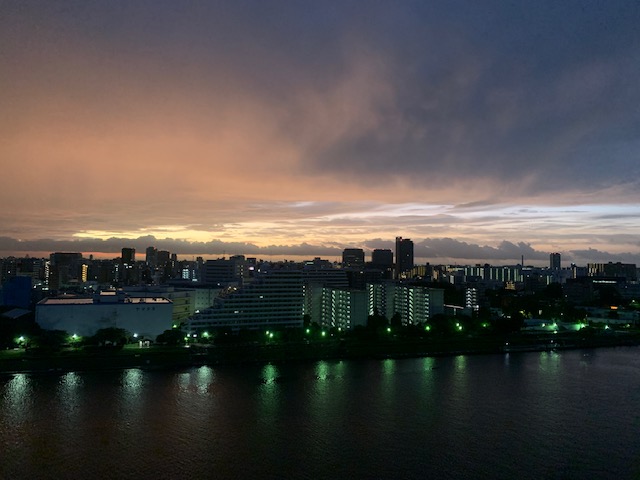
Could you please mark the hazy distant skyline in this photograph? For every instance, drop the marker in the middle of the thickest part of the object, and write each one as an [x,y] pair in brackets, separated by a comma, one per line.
[482,130]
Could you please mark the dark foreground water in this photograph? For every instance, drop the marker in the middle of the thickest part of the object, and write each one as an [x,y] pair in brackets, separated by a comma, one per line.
[573,414]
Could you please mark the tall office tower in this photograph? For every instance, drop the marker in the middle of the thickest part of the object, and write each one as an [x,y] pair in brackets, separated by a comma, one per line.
[65,269]
[404,255]
[128,256]
[382,258]
[353,257]
[554,262]
[127,271]
[163,257]
[152,256]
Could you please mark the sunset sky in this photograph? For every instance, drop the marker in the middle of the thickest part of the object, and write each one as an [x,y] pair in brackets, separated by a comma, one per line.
[483,130]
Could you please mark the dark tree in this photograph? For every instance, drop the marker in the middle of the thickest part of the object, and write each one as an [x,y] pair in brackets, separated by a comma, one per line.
[173,336]
[110,336]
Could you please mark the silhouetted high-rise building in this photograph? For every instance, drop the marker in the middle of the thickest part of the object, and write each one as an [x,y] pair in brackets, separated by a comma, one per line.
[554,262]
[382,258]
[128,256]
[163,257]
[66,269]
[353,257]
[152,256]
[404,255]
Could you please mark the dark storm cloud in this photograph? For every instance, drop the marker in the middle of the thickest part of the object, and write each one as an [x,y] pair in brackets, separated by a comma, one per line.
[451,248]
[181,247]
[540,96]
[300,124]
[599,256]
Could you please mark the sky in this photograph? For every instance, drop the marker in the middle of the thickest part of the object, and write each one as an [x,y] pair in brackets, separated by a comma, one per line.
[483,130]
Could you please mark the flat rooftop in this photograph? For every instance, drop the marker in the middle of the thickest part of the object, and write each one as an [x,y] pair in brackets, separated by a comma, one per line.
[104,300]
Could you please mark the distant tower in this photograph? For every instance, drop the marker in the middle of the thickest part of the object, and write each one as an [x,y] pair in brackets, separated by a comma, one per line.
[353,257]
[128,256]
[404,255]
[162,257]
[382,258]
[152,256]
[554,262]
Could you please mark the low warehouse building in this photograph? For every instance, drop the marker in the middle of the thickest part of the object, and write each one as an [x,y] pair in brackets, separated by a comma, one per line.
[146,316]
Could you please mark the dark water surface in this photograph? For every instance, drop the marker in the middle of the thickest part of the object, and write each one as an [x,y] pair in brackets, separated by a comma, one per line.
[572,414]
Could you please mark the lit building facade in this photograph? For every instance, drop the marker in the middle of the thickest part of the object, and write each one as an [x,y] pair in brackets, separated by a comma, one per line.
[273,299]
[148,317]
[343,308]
[417,304]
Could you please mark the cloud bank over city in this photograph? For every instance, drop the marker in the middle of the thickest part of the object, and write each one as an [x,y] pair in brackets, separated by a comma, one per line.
[480,130]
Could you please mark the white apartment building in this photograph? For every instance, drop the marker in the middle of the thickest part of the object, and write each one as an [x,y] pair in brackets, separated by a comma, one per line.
[273,299]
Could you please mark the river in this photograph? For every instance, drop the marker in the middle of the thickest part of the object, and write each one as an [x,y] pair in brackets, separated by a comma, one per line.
[543,415]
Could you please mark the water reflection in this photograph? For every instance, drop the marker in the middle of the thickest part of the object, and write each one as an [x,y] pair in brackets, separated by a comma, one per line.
[459,377]
[389,366]
[449,417]
[205,377]
[269,395]
[69,391]
[388,382]
[269,374]
[132,380]
[322,370]
[339,369]
[17,398]
[461,363]
[132,388]
[428,364]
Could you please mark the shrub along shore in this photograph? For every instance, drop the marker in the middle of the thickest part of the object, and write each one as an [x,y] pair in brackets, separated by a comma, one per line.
[236,353]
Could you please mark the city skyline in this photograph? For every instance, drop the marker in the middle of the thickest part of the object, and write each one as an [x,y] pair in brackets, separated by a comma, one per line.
[482,131]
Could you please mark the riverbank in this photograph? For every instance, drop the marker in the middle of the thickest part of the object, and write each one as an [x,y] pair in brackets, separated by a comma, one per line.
[165,357]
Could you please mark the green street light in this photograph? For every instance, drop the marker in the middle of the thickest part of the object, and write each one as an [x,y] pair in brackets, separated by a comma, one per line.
[388,329]
[324,334]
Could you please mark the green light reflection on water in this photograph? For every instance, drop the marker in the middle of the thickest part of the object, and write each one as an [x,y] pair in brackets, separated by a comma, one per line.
[322,370]
[461,363]
[269,374]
